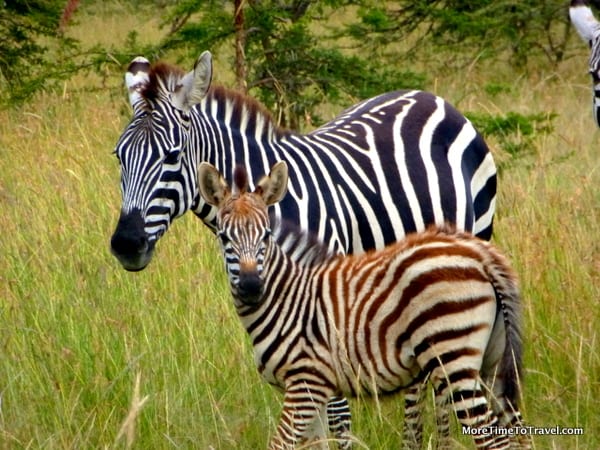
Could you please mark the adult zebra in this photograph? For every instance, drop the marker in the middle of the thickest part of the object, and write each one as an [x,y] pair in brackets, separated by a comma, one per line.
[385,167]
[588,28]
[439,304]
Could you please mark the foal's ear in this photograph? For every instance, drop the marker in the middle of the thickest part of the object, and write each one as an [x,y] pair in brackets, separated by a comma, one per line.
[272,188]
[213,187]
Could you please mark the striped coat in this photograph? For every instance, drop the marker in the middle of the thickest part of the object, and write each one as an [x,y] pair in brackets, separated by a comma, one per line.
[439,305]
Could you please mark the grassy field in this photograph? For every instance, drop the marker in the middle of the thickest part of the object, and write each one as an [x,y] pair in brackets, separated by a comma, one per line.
[94,357]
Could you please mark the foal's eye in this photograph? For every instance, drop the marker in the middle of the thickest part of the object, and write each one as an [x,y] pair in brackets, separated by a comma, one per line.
[267,234]
[223,237]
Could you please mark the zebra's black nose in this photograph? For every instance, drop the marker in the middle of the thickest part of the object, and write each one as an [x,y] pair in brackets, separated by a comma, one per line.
[250,287]
[129,242]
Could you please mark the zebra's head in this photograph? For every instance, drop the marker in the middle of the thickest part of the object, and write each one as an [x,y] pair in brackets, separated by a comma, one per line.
[152,153]
[243,225]
[588,28]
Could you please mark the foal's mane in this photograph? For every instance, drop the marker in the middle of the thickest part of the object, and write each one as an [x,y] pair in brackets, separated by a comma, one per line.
[302,246]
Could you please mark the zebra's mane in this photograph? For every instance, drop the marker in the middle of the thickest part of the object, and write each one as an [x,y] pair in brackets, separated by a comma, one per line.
[165,78]
[301,246]
[245,105]
[306,249]
[162,79]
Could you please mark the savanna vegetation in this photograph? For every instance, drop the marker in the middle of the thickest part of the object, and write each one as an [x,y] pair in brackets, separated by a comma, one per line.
[94,357]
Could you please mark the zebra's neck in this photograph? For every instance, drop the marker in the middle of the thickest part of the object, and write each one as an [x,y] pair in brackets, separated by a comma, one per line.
[230,129]
[286,274]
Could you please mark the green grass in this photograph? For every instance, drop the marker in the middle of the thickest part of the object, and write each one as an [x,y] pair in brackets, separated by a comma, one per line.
[76,331]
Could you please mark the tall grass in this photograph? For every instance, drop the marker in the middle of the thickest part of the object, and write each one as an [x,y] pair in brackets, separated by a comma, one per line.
[94,357]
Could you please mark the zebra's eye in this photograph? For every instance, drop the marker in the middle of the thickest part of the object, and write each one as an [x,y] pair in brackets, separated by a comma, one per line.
[223,237]
[267,234]
[173,156]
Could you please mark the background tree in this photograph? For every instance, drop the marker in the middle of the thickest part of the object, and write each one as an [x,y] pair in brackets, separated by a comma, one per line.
[517,29]
[294,54]
[287,63]
[33,52]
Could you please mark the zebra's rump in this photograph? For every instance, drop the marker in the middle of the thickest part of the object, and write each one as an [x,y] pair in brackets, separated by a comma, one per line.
[397,314]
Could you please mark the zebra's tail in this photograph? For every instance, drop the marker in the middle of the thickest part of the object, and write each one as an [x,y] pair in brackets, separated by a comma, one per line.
[508,299]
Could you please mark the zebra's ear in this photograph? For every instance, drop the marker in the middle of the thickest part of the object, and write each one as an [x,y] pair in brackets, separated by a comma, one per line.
[584,21]
[195,84]
[136,79]
[273,188]
[213,187]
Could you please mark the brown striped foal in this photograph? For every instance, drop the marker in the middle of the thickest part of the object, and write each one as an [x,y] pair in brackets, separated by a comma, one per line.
[439,306]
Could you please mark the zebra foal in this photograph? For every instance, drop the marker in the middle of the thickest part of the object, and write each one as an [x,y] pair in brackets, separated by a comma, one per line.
[439,304]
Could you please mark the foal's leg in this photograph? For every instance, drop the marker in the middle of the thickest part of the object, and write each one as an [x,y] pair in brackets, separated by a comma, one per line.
[339,421]
[442,420]
[303,404]
[414,398]
[474,413]
[508,415]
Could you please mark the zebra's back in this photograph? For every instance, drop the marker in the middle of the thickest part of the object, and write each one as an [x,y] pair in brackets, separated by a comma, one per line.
[389,166]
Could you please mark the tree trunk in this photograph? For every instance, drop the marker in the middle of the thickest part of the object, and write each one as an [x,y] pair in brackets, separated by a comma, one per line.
[240,43]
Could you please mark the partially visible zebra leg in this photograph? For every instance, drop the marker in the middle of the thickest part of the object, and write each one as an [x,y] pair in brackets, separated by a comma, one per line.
[340,420]
[473,412]
[414,399]
[442,420]
[508,415]
[414,404]
[337,418]
[303,404]
[316,434]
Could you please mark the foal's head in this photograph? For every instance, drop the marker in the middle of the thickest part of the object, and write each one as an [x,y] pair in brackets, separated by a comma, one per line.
[243,224]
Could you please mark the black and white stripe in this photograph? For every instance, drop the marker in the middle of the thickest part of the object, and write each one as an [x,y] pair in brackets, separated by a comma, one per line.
[439,305]
[588,28]
[387,166]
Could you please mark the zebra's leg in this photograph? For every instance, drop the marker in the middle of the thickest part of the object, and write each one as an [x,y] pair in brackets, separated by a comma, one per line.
[508,415]
[413,416]
[442,420]
[304,403]
[473,411]
[339,421]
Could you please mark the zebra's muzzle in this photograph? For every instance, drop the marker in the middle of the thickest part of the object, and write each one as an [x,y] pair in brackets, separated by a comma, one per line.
[250,288]
[130,243]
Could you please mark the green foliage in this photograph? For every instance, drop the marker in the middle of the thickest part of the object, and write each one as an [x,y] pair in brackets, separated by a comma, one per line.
[482,28]
[493,89]
[515,132]
[214,24]
[290,67]
[33,53]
